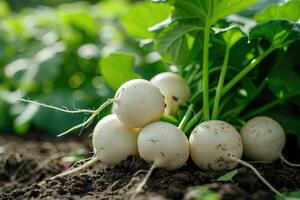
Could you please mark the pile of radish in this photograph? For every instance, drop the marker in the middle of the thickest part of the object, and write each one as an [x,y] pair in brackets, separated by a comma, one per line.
[135,128]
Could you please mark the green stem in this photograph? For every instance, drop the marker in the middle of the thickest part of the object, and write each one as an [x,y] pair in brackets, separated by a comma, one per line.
[220,84]
[170,119]
[224,103]
[193,121]
[263,108]
[205,78]
[246,70]
[237,110]
[186,117]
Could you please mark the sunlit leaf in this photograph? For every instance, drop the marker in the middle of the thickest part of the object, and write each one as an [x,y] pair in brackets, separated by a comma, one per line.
[278,32]
[144,15]
[284,10]
[117,68]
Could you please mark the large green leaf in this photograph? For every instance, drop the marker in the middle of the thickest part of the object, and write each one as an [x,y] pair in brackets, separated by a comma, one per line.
[284,79]
[210,11]
[144,15]
[278,32]
[172,43]
[190,17]
[117,68]
[288,10]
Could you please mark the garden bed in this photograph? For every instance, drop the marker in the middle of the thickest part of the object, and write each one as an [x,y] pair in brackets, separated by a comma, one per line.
[26,161]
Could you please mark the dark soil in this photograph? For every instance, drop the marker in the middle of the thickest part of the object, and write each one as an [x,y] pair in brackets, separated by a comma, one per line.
[24,162]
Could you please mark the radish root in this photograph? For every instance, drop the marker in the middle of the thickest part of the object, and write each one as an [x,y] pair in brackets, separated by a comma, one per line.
[83,124]
[90,119]
[142,184]
[257,174]
[57,108]
[288,162]
[74,170]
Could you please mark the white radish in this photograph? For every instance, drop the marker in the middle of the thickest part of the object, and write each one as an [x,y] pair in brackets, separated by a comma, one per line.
[263,139]
[112,143]
[174,88]
[137,103]
[216,145]
[164,145]
[212,144]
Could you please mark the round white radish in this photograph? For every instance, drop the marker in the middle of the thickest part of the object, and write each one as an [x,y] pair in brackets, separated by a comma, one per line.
[164,145]
[139,102]
[213,143]
[174,88]
[263,139]
[112,141]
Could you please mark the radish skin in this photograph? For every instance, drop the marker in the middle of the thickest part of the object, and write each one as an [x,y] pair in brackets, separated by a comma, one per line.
[212,142]
[139,103]
[113,141]
[263,139]
[174,88]
[164,145]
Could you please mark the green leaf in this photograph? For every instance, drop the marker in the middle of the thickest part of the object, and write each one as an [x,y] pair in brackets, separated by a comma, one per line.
[278,32]
[203,193]
[284,10]
[210,11]
[143,15]
[284,79]
[117,68]
[295,195]
[172,43]
[228,176]
[232,35]
[188,18]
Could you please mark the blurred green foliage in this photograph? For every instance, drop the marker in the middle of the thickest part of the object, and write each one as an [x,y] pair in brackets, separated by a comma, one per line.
[54,56]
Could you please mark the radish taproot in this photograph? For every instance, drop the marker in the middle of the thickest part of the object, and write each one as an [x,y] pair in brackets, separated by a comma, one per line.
[163,145]
[263,139]
[112,143]
[137,103]
[216,145]
[174,88]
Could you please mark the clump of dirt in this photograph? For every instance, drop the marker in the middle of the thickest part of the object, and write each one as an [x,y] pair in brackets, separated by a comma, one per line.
[21,171]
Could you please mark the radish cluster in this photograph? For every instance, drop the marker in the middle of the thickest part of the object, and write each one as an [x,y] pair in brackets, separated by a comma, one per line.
[134,128]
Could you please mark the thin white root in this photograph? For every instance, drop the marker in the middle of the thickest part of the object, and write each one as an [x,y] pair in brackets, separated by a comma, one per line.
[57,108]
[90,119]
[258,161]
[257,174]
[288,162]
[142,184]
[73,170]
